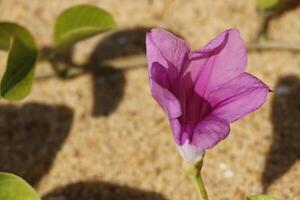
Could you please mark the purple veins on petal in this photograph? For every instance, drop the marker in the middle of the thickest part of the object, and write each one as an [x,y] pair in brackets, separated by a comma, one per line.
[240,96]
[228,61]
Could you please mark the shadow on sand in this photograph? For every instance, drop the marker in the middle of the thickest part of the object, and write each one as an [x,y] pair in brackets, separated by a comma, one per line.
[93,190]
[31,135]
[285,148]
[108,82]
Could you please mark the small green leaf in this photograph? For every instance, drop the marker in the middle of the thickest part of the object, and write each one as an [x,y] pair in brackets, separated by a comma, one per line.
[9,30]
[80,22]
[260,197]
[266,4]
[15,188]
[17,80]
[275,5]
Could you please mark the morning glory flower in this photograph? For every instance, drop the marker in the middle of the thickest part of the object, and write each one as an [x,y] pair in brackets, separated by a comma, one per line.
[201,91]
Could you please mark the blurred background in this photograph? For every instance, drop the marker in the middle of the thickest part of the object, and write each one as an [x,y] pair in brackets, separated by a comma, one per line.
[101,136]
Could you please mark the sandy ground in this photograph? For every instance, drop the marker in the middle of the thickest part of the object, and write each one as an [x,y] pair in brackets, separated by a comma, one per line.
[102,136]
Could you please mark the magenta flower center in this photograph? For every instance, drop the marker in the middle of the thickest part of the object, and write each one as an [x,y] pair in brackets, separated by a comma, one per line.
[194,108]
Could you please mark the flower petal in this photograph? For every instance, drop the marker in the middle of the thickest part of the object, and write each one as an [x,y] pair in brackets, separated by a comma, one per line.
[238,97]
[223,59]
[176,129]
[166,49]
[159,85]
[209,132]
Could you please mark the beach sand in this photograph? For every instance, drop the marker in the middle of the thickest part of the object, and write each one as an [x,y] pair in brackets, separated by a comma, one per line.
[102,136]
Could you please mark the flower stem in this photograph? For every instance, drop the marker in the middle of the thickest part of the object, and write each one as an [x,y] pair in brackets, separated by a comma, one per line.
[194,172]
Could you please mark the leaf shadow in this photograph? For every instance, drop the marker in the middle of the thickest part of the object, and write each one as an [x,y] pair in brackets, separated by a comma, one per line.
[94,190]
[285,148]
[109,82]
[31,136]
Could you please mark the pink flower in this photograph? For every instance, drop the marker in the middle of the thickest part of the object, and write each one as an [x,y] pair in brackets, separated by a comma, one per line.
[202,91]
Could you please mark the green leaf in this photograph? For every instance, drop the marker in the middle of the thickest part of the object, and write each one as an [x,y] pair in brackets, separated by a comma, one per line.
[260,197]
[14,188]
[266,4]
[275,5]
[9,30]
[17,80]
[80,22]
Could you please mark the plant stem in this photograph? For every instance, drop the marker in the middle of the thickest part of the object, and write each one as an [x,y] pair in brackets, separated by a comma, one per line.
[194,172]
